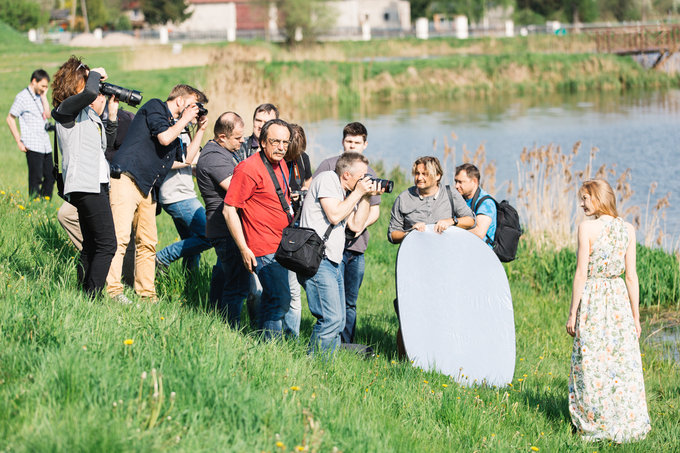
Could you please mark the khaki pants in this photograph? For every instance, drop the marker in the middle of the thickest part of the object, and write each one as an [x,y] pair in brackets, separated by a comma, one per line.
[131,209]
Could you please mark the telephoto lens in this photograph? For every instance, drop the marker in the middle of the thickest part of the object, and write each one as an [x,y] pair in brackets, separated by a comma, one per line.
[131,97]
[384,184]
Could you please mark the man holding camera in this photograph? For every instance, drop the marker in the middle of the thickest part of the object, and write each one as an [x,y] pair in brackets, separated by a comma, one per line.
[353,140]
[219,157]
[31,107]
[255,214]
[150,147]
[327,203]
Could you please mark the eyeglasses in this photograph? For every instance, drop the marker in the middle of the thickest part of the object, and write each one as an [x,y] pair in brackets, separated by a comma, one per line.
[276,142]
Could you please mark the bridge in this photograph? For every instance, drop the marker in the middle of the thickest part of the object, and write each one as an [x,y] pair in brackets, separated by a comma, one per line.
[631,40]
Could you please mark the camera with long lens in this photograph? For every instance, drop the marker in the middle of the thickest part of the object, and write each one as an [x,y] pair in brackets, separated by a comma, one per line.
[202,111]
[297,197]
[131,97]
[382,183]
[50,127]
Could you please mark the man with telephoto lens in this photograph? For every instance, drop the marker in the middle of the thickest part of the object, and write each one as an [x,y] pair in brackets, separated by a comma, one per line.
[150,147]
[33,111]
[354,139]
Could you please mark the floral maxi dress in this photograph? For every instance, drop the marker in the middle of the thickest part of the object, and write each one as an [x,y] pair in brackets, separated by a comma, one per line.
[606,387]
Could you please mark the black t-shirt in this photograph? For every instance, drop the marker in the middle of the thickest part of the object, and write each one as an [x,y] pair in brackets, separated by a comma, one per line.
[214,166]
[299,172]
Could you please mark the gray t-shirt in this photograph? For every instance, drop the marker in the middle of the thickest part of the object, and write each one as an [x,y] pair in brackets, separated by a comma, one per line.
[179,183]
[410,208]
[214,166]
[360,243]
[325,185]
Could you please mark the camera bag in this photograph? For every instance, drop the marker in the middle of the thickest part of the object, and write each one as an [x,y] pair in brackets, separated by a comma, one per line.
[301,249]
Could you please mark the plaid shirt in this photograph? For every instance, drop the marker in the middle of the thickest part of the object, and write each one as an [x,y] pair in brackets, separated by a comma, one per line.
[28,108]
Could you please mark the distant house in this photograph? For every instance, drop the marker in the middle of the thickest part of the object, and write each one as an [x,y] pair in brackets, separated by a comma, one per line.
[253,17]
[379,14]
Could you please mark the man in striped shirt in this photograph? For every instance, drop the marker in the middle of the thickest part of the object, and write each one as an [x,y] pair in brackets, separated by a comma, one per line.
[33,111]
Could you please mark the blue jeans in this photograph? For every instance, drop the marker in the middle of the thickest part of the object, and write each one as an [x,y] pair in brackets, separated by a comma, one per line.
[189,218]
[326,299]
[275,299]
[291,322]
[230,281]
[352,268]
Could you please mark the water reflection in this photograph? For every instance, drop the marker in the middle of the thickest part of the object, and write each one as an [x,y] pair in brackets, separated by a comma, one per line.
[668,342]
[637,129]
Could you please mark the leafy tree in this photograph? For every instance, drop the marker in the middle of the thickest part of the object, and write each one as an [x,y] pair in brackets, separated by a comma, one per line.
[309,16]
[581,10]
[22,15]
[162,11]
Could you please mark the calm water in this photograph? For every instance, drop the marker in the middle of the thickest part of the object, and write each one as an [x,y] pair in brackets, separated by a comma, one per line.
[632,130]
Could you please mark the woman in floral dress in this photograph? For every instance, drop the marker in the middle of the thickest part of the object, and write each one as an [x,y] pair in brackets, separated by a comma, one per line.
[606,387]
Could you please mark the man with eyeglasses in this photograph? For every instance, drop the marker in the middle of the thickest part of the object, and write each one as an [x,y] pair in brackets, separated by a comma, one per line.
[257,209]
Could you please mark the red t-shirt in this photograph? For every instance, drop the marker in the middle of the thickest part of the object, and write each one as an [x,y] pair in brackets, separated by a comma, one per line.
[252,191]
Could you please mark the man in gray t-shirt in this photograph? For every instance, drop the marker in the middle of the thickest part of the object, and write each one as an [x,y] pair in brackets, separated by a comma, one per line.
[230,279]
[326,204]
[354,140]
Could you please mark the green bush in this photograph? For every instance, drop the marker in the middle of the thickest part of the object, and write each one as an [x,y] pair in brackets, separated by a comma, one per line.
[22,14]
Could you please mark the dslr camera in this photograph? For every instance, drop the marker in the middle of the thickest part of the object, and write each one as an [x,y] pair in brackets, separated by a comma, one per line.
[131,97]
[382,183]
[202,111]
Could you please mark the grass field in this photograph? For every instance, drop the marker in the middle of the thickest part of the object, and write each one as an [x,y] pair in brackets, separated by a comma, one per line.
[77,375]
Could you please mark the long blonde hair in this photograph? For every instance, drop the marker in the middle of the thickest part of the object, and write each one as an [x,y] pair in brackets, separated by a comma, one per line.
[601,195]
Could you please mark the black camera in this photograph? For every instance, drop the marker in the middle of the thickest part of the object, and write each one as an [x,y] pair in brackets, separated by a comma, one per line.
[383,183]
[130,97]
[50,127]
[202,111]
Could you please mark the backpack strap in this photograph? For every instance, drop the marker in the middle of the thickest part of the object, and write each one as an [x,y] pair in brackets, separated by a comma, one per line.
[476,206]
[279,192]
[453,210]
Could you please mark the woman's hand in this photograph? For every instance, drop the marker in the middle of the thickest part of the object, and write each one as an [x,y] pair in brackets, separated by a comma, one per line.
[638,328]
[571,325]
[102,73]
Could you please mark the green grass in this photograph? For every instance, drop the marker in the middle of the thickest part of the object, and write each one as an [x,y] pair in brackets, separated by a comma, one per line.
[69,383]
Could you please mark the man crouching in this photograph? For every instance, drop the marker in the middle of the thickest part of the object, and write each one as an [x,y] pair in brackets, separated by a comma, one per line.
[327,204]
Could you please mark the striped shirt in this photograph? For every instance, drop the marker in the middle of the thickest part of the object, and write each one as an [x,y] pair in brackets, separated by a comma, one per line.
[28,108]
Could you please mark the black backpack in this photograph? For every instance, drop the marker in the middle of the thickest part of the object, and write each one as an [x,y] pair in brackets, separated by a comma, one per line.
[508,229]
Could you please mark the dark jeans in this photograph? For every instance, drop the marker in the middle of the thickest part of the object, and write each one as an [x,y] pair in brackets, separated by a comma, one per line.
[230,280]
[40,178]
[352,269]
[99,238]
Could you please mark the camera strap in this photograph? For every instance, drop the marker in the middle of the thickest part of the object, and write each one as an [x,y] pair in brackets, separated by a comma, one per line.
[453,208]
[277,186]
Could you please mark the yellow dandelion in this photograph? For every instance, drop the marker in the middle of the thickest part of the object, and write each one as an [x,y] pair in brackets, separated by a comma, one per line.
[162,318]
[2,192]
[295,388]
[47,197]
[524,375]
[444,385]
[458,397]
[280,445]
[521,359]
[425,382]
[300,448]
[534,448]
[128,341]
[540,357]
[21,207]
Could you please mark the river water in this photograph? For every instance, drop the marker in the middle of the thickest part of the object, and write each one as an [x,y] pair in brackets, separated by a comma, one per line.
[636,130]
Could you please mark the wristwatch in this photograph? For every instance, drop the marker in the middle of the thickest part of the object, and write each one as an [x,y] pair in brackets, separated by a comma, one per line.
[455,221]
